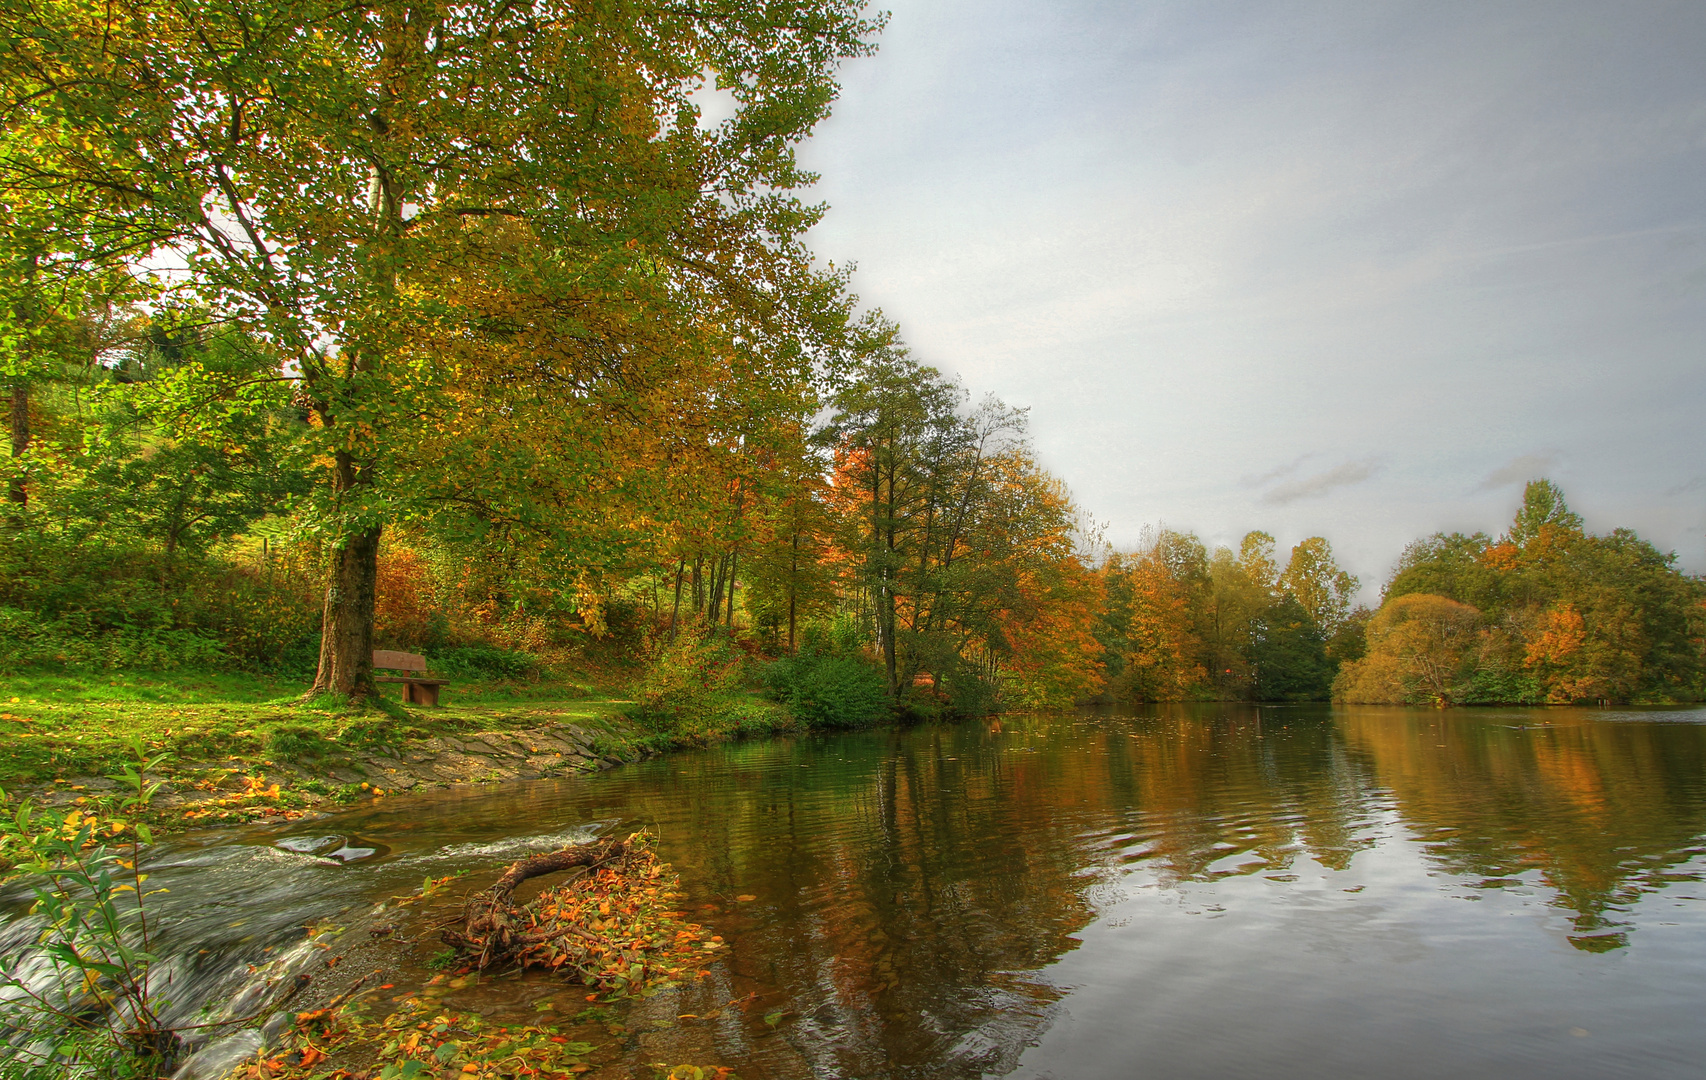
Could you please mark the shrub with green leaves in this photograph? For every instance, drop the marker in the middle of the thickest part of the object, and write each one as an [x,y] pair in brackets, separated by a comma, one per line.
[97,1015]
[688,680]
[829,682]
[693,692]
[484,662]
[94,604]
[27,641]
[826,690]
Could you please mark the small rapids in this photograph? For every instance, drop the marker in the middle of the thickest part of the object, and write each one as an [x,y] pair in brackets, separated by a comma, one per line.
[241,924]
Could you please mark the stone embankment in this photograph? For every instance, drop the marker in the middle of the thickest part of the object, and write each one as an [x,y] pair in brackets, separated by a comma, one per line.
[489,756]
[554,749]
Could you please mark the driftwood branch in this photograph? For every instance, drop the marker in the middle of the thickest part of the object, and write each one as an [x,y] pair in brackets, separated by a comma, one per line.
[492,925]
[607,926]
[554,862]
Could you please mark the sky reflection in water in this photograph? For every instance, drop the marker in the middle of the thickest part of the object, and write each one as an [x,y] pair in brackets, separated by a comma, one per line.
[1198,891]
[1278,891]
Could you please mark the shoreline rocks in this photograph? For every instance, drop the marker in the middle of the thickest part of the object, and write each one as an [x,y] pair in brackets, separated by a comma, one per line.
[443,761]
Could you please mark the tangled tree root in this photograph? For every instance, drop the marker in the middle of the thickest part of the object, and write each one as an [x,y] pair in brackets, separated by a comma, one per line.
[610,927]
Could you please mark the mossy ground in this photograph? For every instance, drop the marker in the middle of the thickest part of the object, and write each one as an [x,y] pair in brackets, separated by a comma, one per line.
[223,729]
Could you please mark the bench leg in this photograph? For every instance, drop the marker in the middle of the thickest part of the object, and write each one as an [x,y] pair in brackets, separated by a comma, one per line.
[421,693]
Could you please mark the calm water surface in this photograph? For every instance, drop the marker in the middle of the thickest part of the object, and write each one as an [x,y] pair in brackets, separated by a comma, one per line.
[1194,892]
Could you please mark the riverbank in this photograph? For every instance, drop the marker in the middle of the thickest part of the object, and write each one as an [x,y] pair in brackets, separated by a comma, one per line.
[248,748]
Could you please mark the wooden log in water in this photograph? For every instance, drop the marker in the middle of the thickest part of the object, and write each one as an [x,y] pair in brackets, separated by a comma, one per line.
[491,931]
[553,862]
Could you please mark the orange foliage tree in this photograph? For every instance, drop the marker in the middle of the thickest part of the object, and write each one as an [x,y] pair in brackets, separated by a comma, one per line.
[956,546]
[1569,616]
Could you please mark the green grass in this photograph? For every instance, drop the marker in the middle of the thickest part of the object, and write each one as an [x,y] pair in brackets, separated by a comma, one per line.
[54,725]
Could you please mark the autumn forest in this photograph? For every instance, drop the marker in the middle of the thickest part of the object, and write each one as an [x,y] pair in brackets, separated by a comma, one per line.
[418,335]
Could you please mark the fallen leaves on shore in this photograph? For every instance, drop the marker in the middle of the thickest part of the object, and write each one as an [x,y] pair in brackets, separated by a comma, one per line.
[613,929]
[257,800]
[416,1043]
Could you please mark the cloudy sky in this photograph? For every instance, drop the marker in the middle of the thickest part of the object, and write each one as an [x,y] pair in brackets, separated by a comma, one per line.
[1349,269]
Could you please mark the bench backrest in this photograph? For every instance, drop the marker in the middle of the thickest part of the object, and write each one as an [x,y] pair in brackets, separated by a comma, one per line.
[399,661]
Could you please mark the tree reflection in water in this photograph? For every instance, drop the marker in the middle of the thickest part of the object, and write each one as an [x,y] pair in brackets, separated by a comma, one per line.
[910,884]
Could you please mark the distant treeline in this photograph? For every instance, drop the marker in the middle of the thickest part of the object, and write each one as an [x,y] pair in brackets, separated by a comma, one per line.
[1179,623]
[1543,613]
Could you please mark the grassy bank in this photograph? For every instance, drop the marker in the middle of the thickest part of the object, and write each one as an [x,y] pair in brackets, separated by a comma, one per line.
[238,735]
[241,746]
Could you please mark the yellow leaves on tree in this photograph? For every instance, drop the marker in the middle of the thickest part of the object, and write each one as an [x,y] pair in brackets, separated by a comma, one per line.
[1052,658]
[1588,656]
[1161,659]
[1421,649]
[1562,634]
[403,614]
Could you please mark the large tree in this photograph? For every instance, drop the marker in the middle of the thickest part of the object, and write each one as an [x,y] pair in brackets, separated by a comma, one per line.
[484,239]
[964,549]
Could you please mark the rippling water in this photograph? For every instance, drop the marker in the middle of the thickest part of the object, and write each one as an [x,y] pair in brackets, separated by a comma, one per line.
[1193,892]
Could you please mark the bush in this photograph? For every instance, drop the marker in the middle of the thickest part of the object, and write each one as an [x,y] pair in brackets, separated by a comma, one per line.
[749,716]
[826,690]
[298,660]
[485,662]
[26,641]
[107,606]
[688,681]
[967,692]
[692,692]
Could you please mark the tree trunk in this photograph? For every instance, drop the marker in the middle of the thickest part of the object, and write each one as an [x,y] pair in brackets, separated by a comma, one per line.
[675,612]
[885,599]
[793,590]
[25,313]
[734,564]
[16,492]
[715,607]
[346,626]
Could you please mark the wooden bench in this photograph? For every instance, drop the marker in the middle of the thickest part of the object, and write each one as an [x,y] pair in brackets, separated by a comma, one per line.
[418,687]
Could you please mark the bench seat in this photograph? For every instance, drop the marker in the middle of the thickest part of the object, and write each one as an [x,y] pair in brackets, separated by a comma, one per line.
[419,688]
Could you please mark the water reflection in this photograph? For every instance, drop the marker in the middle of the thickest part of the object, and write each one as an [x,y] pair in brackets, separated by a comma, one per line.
[1601,808]
[1209,890]
[911,885]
